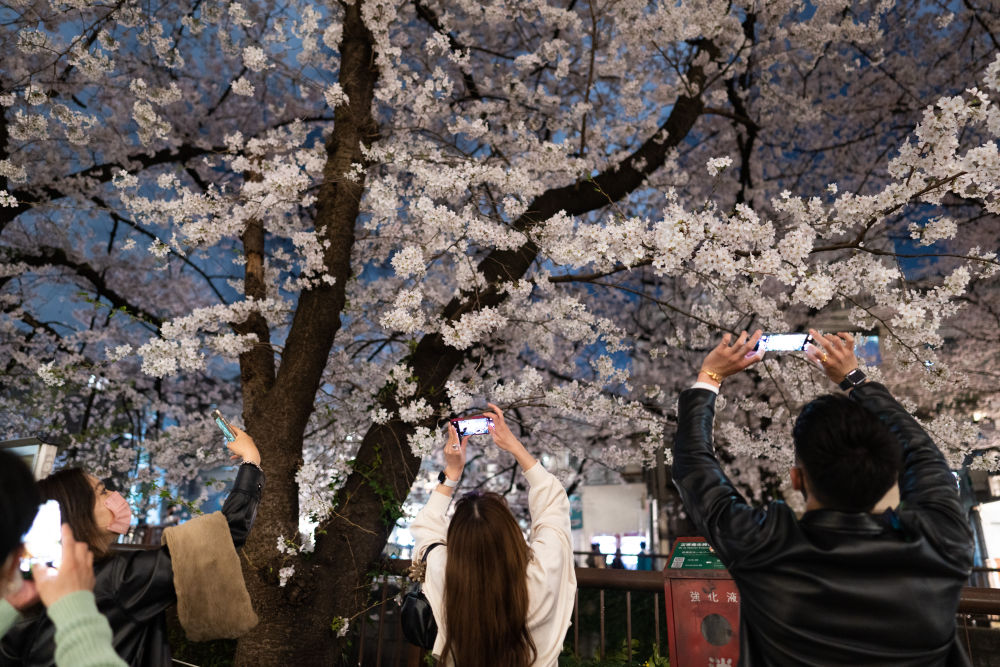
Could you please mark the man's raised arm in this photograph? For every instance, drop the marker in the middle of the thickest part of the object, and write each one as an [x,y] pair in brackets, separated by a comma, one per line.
[926,482]
[718,510]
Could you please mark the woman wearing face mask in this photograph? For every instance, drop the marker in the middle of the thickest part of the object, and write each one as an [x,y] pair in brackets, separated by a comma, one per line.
[133,588]
[82,635]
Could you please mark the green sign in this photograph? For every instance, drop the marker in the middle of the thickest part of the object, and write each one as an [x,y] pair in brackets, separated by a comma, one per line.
[694,556]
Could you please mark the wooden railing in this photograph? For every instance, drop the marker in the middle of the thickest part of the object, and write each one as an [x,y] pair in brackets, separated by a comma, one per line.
[379,640]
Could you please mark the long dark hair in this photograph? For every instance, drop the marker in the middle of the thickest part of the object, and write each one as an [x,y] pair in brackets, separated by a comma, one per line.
[486,587]
[20,501]
[71,487]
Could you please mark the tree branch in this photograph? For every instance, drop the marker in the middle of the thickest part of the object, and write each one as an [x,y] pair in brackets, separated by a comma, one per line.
[431,18]
[101,173]
[148,234]
[50,256]
[257,370]
[587,277]
[317,317]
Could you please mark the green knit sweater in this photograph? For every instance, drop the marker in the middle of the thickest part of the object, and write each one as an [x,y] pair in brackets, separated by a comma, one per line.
[83,636]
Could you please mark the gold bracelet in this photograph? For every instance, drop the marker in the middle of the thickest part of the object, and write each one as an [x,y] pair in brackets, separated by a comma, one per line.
[712,374]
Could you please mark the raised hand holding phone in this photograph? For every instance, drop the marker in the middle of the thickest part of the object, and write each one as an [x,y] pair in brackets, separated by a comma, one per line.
[505,439]
[454,453]
[42,541]
[725,359]
[243,447]
[833,354]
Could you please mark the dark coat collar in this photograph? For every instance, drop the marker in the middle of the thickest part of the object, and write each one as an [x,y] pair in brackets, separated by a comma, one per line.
[859,523]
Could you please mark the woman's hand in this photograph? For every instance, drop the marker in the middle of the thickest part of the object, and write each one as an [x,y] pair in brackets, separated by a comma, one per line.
[454,454]
[505,440]
[26,596]
[833,353]
[502,435]
[243,447]
[75,573]
[726,359]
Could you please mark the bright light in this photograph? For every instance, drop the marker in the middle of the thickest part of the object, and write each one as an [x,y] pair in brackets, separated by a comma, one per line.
[631,545]
[989,514]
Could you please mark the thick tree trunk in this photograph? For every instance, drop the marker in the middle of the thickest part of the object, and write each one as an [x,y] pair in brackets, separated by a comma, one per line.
[296,620]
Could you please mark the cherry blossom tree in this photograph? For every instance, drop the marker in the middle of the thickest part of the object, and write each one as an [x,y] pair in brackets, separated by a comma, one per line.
[346,221]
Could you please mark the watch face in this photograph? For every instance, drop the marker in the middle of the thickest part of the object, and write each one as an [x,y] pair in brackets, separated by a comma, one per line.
[856,376]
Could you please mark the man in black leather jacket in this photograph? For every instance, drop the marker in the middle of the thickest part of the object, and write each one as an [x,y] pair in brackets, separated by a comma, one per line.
[840,585]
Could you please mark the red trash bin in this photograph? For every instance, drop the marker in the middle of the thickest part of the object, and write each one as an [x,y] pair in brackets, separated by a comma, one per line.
[703,607]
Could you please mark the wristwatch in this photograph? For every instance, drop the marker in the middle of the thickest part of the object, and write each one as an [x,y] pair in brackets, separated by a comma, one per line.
[851,380]
[443,479]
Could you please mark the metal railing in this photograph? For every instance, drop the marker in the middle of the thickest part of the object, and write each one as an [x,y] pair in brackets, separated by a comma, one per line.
[379,641]
[629,581]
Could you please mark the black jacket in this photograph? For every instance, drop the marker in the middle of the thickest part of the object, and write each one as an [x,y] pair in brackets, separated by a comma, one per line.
[835,588]
[132,590]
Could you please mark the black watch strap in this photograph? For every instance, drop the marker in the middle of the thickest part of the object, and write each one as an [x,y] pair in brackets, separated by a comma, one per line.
[853,379]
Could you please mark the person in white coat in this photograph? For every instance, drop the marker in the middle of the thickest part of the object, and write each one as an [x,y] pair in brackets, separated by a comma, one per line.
[498,601]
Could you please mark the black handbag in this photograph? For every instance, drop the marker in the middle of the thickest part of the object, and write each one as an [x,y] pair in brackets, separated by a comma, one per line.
[419,626]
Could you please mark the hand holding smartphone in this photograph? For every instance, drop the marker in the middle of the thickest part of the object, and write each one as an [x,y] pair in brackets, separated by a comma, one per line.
[239,443]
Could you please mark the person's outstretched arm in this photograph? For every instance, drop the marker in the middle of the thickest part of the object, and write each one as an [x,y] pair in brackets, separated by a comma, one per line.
[926,482]
[13,603]
[551,576]
[547,500]
[716,508]
[430,525]
[240,507]
[143,581]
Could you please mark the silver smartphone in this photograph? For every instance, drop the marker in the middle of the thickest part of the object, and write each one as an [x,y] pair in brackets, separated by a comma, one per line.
[784,342]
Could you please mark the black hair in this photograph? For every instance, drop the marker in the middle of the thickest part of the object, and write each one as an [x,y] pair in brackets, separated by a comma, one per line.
[849,456]
[20,501]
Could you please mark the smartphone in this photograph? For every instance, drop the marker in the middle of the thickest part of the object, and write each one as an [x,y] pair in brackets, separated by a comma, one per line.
[472,425]
[224,425]
[43,541]
[783,342]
